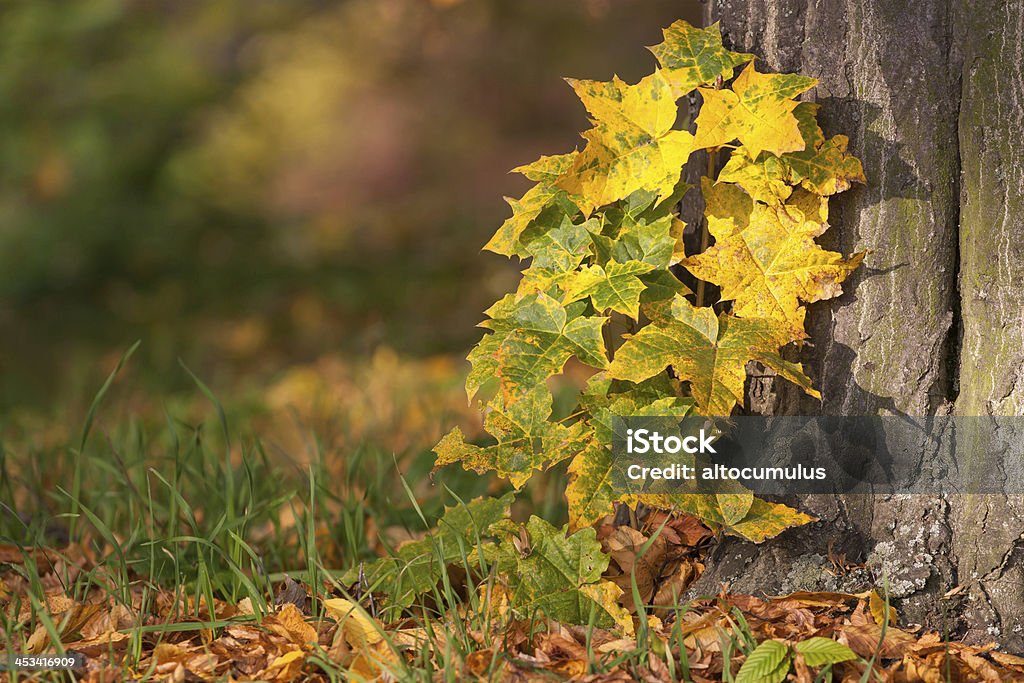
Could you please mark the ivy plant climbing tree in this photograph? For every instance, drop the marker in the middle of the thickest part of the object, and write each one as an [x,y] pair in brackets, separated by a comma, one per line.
[602,235]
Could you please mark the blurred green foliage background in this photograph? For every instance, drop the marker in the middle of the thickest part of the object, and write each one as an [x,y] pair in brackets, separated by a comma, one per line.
[249,185]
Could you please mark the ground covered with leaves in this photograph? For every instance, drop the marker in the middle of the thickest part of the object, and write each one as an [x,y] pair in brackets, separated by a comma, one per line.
[225,543]
[471,626]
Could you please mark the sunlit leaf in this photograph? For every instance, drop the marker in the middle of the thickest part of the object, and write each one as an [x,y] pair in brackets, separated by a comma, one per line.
[771,267]
[632,145]
[757,111]
[526,440]
[709,351]
[693,56]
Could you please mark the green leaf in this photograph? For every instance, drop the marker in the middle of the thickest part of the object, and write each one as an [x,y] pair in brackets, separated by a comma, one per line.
[533,337]
[656,242]
[528,207]
[632,145]
[768,663]
[691,56]
[709,351]
[614,286]
[417,566]
[560,577]
[821,651]
[525,440]
[559,248]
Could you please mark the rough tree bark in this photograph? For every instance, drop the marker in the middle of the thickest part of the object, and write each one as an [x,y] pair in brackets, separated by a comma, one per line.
[931,93]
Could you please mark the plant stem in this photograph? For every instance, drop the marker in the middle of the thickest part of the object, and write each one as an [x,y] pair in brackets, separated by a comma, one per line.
[704,225]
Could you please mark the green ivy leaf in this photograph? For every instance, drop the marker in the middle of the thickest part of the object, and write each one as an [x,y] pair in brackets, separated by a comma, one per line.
[560,577]
[533,337]
[616,286]
[656,242]
[561,248]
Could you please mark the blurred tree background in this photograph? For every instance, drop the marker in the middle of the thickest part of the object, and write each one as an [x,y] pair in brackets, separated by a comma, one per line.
[251,185]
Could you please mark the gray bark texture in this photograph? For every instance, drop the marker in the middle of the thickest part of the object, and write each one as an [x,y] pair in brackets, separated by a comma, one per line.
[931,93]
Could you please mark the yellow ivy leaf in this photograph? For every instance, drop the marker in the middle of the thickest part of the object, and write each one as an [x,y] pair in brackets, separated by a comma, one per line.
[590,493]
[771,265]
[607,595]
[884,615]
[527,208]
[692,56]
[708,351]
[368,652]
[727,208]
[632,145]
[757,111]
[734,506]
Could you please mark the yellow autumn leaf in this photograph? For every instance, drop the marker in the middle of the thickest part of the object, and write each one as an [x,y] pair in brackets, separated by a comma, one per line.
[368,651]
[527,208]
[757,111]
[709,351]
[765,520]
[692,56]
[772,266]
[607,596]
[632,145]
[766,181]
[823,166]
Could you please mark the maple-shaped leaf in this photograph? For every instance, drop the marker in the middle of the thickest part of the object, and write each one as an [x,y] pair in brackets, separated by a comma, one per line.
[727,208]
[757,111]
[764,520]
[559,577]
[416,566]
[692,56]
[526,440]
[824,166]
[590,492]
[708,351]
[532,338]
[766,180]
[616,286]
[527,208]
[562,247]
[632,145]
[657,242]
[772,265]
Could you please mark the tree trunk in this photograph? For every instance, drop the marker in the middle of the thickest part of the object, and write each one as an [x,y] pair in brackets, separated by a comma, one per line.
[930,93]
